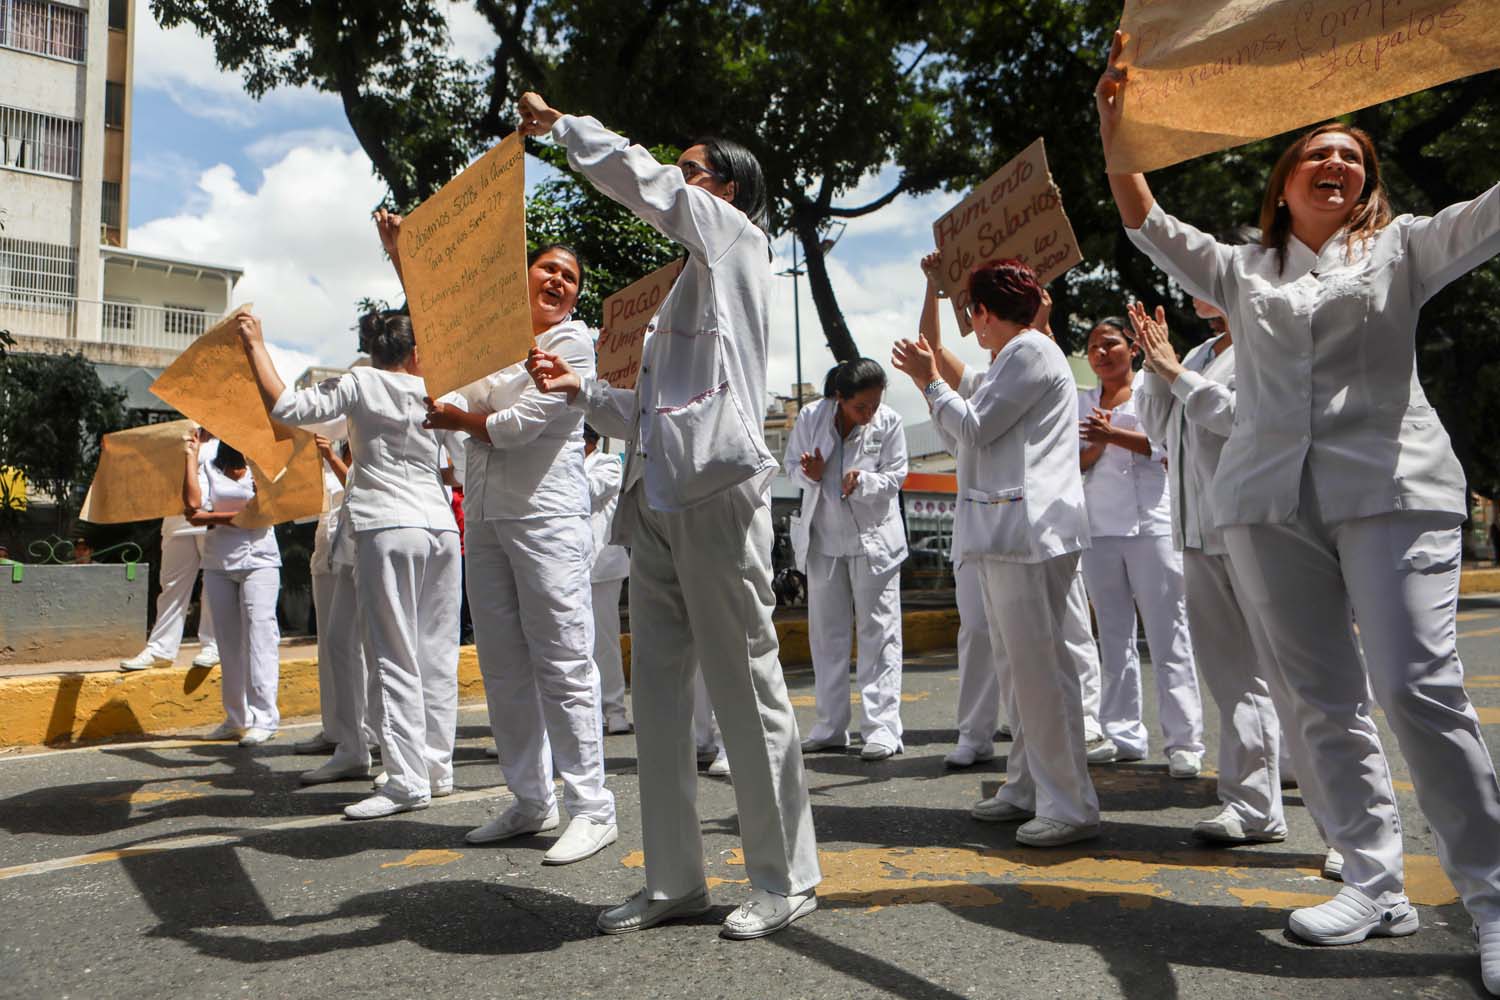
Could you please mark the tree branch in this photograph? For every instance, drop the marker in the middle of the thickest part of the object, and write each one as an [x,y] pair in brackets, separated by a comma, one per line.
[635,42]
[874,206]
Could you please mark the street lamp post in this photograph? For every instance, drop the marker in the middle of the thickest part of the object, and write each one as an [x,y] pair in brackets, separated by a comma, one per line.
[796,271]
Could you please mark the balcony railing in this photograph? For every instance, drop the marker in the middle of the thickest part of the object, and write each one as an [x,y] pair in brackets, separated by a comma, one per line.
[54,317]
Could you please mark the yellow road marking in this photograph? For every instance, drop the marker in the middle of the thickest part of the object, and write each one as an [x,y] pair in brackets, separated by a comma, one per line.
[148,796]
[810,701]
[1480,632]
[425,859]
[1488,716]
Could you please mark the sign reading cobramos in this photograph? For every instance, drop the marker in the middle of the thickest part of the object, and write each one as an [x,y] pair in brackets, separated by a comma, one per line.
[1017,213]
[627,314]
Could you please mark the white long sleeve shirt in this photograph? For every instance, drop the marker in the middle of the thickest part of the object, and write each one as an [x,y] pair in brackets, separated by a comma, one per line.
[605,473]
[1326,368]
[532,466]
[694,419]
[396,480]
[227,547]
[1126,491]
[1020,492]
[1193,415]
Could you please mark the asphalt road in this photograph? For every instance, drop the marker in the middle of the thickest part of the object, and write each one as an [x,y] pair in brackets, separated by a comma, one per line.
[190,869]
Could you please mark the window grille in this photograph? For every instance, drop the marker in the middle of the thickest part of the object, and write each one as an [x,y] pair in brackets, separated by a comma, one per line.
[119,316]
[114,104]
[188,320]
[119,13]
[48,29]
[37,272]
[109,205]
[46,144]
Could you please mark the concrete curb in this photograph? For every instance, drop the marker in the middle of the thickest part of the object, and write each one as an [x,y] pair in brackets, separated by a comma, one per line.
[73,708]
[1479,581]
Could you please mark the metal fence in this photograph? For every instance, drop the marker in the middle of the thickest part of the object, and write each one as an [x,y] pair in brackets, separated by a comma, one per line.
[127,323]
[45,144]
[48,29]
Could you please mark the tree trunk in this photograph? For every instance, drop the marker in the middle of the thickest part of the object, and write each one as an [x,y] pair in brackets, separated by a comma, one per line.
[835,330]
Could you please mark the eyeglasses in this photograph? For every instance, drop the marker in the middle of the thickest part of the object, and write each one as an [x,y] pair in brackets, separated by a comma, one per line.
[692,170]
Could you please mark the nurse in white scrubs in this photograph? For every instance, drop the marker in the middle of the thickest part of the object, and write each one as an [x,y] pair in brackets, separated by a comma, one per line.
[241,582]
[611,566]
[1338,489]
[1021,515]
[1131,563]
[696,515]
[530,546]
[848,453]
[406,552]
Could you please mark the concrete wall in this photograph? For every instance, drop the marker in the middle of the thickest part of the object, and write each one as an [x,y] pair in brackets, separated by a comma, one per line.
[71,613]
[38,207]
[153,286]
[42,83]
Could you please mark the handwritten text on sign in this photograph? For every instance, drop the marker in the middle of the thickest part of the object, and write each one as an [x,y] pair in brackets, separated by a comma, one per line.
[1016,213]
[627,313]
[463,256]
[1204,77]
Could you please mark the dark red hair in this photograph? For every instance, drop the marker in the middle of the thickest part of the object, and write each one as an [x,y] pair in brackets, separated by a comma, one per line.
[1007,289]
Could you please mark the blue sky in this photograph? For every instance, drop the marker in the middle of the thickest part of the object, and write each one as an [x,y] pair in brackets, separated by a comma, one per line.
[281,189]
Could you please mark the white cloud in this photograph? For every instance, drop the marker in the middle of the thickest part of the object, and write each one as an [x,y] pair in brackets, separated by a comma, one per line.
[472,36]
[274,147]
[304,239]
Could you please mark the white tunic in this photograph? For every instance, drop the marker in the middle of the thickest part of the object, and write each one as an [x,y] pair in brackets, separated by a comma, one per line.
[176,524]
[1327,374]
[1019,487]
[228,548]
[605,473]
[693,421]
[327,530]
[868,521]
[396,480]
[1127,491]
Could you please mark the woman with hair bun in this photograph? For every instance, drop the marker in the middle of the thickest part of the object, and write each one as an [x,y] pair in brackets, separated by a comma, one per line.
[1021,515]
[406,555]
[848,453]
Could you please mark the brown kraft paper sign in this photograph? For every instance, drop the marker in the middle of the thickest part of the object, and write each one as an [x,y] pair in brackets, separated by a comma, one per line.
[627,314]
[140,474]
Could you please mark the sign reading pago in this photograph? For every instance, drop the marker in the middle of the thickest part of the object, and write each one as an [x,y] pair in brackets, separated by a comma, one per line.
[627,314]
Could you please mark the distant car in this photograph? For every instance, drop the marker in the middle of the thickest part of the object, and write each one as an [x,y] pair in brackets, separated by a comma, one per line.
[930,552]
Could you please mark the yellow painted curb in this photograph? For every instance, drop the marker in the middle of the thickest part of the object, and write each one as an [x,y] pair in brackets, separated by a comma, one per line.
[1479,581]
[81,708]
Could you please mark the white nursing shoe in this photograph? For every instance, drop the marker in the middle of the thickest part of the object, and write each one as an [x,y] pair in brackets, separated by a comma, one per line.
[766,912]
[516,821]
[1488,937]
[583,838]
[379,805]
[641,911]
[963,756]
[1352,916]
[1333,866]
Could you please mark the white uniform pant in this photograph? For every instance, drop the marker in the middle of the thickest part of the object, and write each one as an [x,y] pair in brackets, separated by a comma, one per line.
[1399,573]
[706,735]
[181,555]
[342,677]
[244,605]
[978,673]
[1236,675]
[408,580]
[1145,571]
[838,587]
[1047,769]
[530,599]
[700,597]
[1078,633]
[606,605]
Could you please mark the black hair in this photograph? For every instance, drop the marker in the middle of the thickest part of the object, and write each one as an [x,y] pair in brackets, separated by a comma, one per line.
[589,434]
[1120,323]
[229,458]
[850,378]
[1240,236]
[734,162]
[536,255]
[386,336]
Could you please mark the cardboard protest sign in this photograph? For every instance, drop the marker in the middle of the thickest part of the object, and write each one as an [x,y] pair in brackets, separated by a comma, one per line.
[139,476]
[1207,76]
[463,261]
[298,493]
[212,383]
[627,314]
[1017,213]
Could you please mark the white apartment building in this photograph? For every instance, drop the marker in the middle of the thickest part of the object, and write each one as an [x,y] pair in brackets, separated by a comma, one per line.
[68,282]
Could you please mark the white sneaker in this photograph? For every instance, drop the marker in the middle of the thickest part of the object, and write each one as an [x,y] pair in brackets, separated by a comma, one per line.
[1101,751]
[618,725]
[225,730]
[144,661]
[1005,732]
[1333,866]
[334,770]
[377,806]
[1352,916]
[963,756]
[1047,832]
[996,810]
[719,768]
[582,839]
[1228,828]
[514,822]
[877,751]
[380,780]
[766,913]
[208,656]
[811,745]
[441,789]
[1488,937]
[319,744]
[255,736]
[640,911]
[1185,764]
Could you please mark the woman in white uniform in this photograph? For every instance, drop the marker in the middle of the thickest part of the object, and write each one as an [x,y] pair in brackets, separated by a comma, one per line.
[611,566]
[241,583]
[695,513]
[848,453]
[406,552]
[1338,489]
[1021,515]
[530,547]
[1131,563]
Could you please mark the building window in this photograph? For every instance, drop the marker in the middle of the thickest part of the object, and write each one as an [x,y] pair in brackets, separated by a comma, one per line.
[119,14]
[189,320]
[46,144]
[109,205]
[36,272]
[114,104]
[119,316]
[48,29]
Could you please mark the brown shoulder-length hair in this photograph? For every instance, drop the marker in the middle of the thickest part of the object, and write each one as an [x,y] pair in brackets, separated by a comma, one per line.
[1372,211]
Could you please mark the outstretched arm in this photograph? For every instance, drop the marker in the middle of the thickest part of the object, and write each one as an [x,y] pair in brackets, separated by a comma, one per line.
[930,326]
[1131,192]
[266,376]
